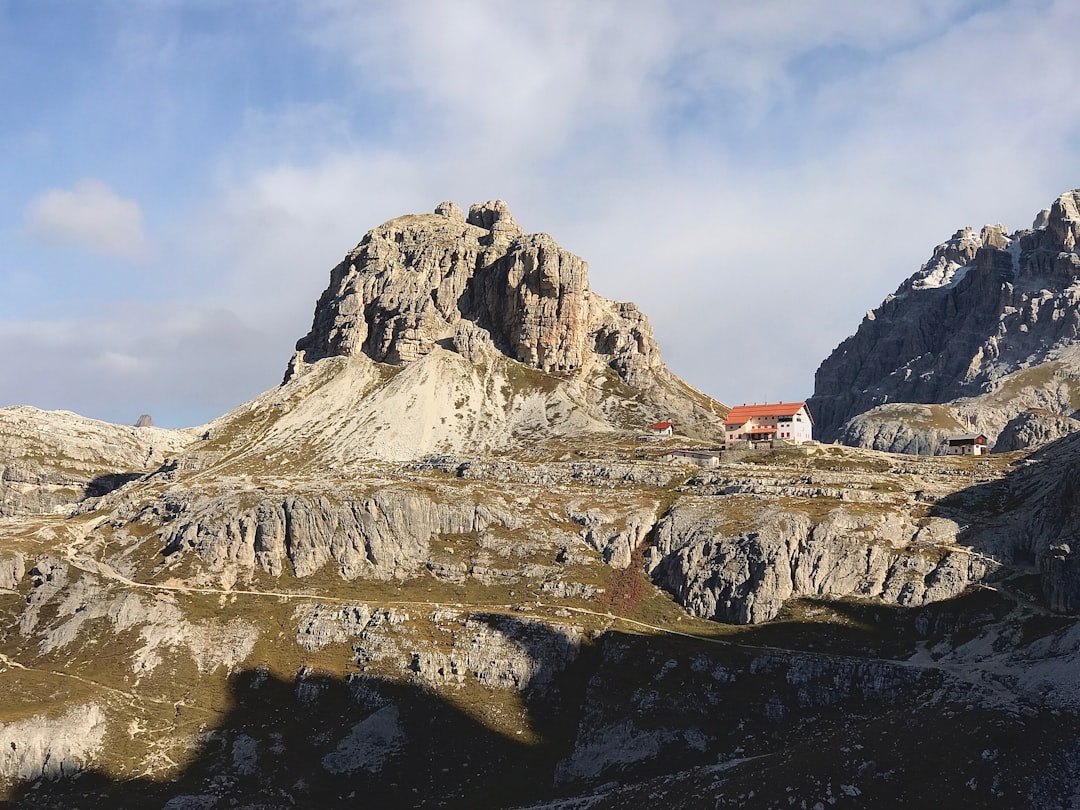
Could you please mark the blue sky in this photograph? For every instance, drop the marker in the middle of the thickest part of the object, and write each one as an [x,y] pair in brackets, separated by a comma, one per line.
[181,175]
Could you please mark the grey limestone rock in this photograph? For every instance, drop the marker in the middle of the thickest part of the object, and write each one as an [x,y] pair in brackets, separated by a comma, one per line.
[245,755]
[615,746]
[616,537]
[52,460]
[1060,569]
[493,215]
[450,209]
[473,343]
[1034,427]
[497,651]
[382,536]
[52,747]
[12,569]
[746,577]
[368,744]
[413,281]
[989,319]
[322,625]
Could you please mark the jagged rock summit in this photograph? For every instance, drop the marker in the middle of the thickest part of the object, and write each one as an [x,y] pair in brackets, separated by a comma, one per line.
[987,330]
[477,285]
[463,334]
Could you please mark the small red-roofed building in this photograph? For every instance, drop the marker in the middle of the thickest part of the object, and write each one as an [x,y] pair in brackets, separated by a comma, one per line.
[966,444]
[784,421]
[663,429]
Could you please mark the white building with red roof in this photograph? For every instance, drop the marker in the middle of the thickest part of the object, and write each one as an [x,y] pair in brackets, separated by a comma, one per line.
[786,421]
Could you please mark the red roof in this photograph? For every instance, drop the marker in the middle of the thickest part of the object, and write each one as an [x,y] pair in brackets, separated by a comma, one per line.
[741,414]
[661,426]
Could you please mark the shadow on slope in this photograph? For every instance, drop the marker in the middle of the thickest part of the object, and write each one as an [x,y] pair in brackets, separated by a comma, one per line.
[321,741]
[701,721]
[366,740]
[104,484]
[1027,520]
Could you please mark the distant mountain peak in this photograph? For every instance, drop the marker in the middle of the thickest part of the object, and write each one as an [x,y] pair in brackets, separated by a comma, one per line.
[989,325]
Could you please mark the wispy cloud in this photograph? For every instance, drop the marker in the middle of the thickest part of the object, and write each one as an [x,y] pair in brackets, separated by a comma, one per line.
[90,216]
[754,175]
[182,363]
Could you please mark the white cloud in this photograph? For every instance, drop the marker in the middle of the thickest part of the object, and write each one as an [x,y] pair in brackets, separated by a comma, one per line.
[567,114]
[90,216]
[752,175]
[122,364]
[183,364]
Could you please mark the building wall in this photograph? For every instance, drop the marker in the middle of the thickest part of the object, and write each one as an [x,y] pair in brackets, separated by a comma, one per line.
[799,429]
[964,450]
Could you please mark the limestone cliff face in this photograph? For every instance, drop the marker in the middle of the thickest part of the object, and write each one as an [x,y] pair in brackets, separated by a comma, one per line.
[441,333]
[382,536]
[1046,527]
[419,280]
[747,577]
[985,323]
[1034,427]
[51,460]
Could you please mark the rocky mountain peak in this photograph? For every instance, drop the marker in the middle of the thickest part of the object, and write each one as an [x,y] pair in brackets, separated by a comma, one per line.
[494,216]
[455,333]
[990,324]
[1063,219]
[478,285]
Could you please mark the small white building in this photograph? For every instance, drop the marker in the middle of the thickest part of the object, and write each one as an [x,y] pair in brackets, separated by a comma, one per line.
[785,421]
[663,429]
[702,458]
[966,444]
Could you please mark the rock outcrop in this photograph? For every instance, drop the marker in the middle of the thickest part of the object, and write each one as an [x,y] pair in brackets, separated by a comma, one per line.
[441,333]
[411,282]
[746,577]
[1044,526]
[51,460]
[1034,427]
[12,568]
[904,427]
[419,281]
[384,535]
[990,324]
[52,747]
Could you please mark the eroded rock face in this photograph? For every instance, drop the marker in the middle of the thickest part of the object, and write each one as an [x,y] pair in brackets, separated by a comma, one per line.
[1047,525]
[382,536]
[747,577]
[474,284]
[1060,570]
[52,747]
[12,568]
[52,460]
[1033,428]
[977,320]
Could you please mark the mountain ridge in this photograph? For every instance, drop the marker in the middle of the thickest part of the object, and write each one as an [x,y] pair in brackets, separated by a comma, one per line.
[988,327]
